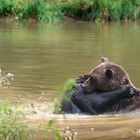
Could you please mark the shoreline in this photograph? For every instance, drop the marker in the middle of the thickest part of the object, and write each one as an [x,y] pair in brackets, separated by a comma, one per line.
[55,11]
[66,20]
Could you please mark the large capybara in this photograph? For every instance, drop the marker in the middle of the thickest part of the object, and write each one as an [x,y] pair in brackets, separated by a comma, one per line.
[108,76]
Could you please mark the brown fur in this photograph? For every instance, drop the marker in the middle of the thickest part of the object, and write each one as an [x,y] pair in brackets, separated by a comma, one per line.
[108,76]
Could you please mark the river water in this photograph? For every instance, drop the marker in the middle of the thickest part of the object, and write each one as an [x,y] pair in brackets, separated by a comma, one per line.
[43,57]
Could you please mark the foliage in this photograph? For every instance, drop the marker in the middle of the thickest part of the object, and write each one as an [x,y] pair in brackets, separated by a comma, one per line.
[42,10]
[6,7]
[54,130]
[70,83]
[108,10]
[76,8]
[11,127]
[14,126]
[55,10]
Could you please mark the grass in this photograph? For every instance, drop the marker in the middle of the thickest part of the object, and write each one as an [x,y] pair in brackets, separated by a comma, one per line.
[14,125]
[13,122]
[55,10]
[108,10]
[11,125]
[41,10]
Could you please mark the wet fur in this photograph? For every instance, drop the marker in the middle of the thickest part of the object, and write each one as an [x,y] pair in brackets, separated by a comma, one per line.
[97,80]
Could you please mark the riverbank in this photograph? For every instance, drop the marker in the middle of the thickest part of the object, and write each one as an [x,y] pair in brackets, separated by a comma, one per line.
[33,122]
[55,11]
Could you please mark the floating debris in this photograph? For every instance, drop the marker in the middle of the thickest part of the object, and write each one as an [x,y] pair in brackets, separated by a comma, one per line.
[92,129]
[137,131]
[69,134]
[6,79]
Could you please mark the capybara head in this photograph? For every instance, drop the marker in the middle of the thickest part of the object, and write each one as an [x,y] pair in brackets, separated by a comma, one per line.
[107,76]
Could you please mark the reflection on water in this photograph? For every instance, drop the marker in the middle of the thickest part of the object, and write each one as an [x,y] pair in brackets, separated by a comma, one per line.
[42,58]
[102,127]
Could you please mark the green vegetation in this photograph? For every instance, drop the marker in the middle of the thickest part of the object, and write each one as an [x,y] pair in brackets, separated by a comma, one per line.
[68,86]
[41,10]
[13,122]
[55,10]
[14,125]
[70,83]
[108,10]
[11,125]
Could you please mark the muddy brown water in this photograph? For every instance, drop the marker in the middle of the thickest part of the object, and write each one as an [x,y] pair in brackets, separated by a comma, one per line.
[43,57]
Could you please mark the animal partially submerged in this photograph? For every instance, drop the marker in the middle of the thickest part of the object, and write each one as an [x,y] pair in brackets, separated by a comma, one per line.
[108,76]
[94,102]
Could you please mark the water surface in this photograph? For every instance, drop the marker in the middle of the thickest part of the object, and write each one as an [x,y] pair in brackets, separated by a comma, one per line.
[43,57]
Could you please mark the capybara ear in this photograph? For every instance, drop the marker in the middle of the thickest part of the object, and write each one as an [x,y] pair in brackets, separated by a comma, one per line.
[104,60]
[109,73]
[89,84]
